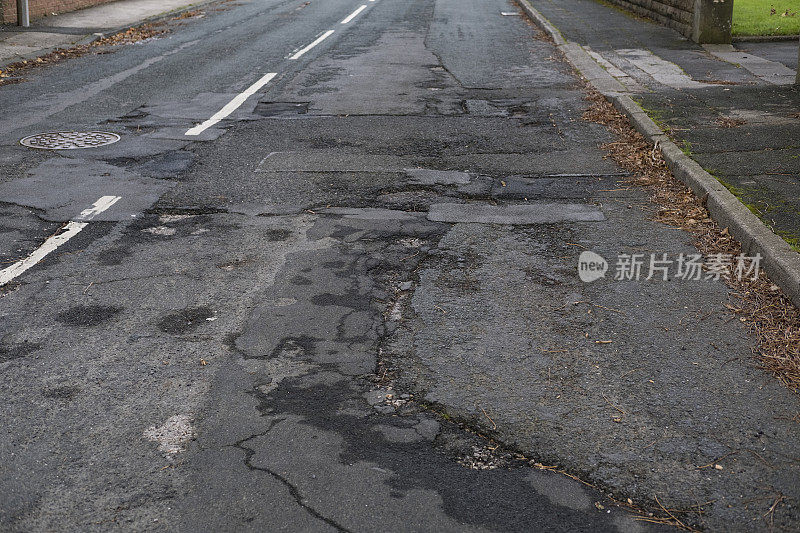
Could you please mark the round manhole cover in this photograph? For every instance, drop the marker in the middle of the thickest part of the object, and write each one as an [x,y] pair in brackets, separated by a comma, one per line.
[69,140]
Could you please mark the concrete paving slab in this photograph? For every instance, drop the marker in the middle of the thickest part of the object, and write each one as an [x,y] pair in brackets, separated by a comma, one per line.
[780,52]
[770,71]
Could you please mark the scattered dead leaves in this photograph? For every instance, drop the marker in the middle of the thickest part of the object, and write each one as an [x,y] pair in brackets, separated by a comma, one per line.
[189,15]
[725,122]
[759,303]
[719,82]
[14,72]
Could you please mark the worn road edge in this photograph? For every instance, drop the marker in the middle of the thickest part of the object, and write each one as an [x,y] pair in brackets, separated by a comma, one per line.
[779,260]
[89,39]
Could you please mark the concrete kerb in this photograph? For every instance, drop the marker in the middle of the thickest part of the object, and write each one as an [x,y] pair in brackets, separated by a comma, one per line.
[764,38]
[89,39]
[779,260]
[542,22]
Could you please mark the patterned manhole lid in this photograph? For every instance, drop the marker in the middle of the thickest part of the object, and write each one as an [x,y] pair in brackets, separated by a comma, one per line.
[69,140]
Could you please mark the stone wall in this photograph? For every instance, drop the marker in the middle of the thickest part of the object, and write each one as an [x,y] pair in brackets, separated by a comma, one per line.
[675,14]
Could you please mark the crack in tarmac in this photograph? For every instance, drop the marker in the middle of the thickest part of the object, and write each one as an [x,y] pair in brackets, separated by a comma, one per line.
[293,490]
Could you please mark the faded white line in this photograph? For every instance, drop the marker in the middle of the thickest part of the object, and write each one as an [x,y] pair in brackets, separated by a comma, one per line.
[659,69]
[99,206]
[312,45]
[53,242]
[231,106]
[354,14]
[621,76]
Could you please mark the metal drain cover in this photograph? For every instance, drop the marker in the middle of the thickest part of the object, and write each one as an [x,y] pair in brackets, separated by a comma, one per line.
[69,140]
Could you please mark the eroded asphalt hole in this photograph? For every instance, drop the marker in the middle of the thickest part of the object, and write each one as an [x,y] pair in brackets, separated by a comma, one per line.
[275,235]
[87,315]
[185,320]
[281,109]
[66,392]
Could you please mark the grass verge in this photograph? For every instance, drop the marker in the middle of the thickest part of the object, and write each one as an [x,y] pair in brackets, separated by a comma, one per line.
[761,17]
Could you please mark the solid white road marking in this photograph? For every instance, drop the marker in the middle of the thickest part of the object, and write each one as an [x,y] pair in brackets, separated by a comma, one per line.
[53,242]
[231,106]
[312,45]
[354,14]
[99,206]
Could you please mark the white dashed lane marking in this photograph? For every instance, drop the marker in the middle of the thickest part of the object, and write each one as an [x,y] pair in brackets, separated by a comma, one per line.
[354,14]
[67,232]
[234,104]
[231,106]
[305,49]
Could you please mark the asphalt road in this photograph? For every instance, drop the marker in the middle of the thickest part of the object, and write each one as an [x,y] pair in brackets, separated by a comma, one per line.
[305,316]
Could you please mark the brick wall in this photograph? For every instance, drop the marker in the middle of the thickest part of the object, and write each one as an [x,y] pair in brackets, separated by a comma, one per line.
[41,8]
[676,14]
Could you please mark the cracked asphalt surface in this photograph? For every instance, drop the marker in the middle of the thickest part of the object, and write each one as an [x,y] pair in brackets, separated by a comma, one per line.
[353,305]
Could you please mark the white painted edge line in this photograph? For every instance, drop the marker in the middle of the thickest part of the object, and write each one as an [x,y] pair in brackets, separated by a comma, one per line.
[354,14]
[312,45]
[231,106]
[53,242]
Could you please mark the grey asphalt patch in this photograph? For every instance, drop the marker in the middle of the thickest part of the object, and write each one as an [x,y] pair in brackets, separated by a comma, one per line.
[179,133]
[200,107]
[515,214]
[167,165]
[572,161]
[130,147]
[62,188]
[328,161]
[423,176]
[556,187]
[371,213]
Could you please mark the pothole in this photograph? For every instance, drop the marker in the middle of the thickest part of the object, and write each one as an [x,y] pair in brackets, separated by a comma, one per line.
[69,140]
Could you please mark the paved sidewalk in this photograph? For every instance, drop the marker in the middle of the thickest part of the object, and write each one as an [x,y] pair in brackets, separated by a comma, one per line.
[731,108]
[61,31]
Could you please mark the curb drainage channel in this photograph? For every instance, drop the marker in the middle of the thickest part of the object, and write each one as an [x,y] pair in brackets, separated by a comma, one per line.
[69,140]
